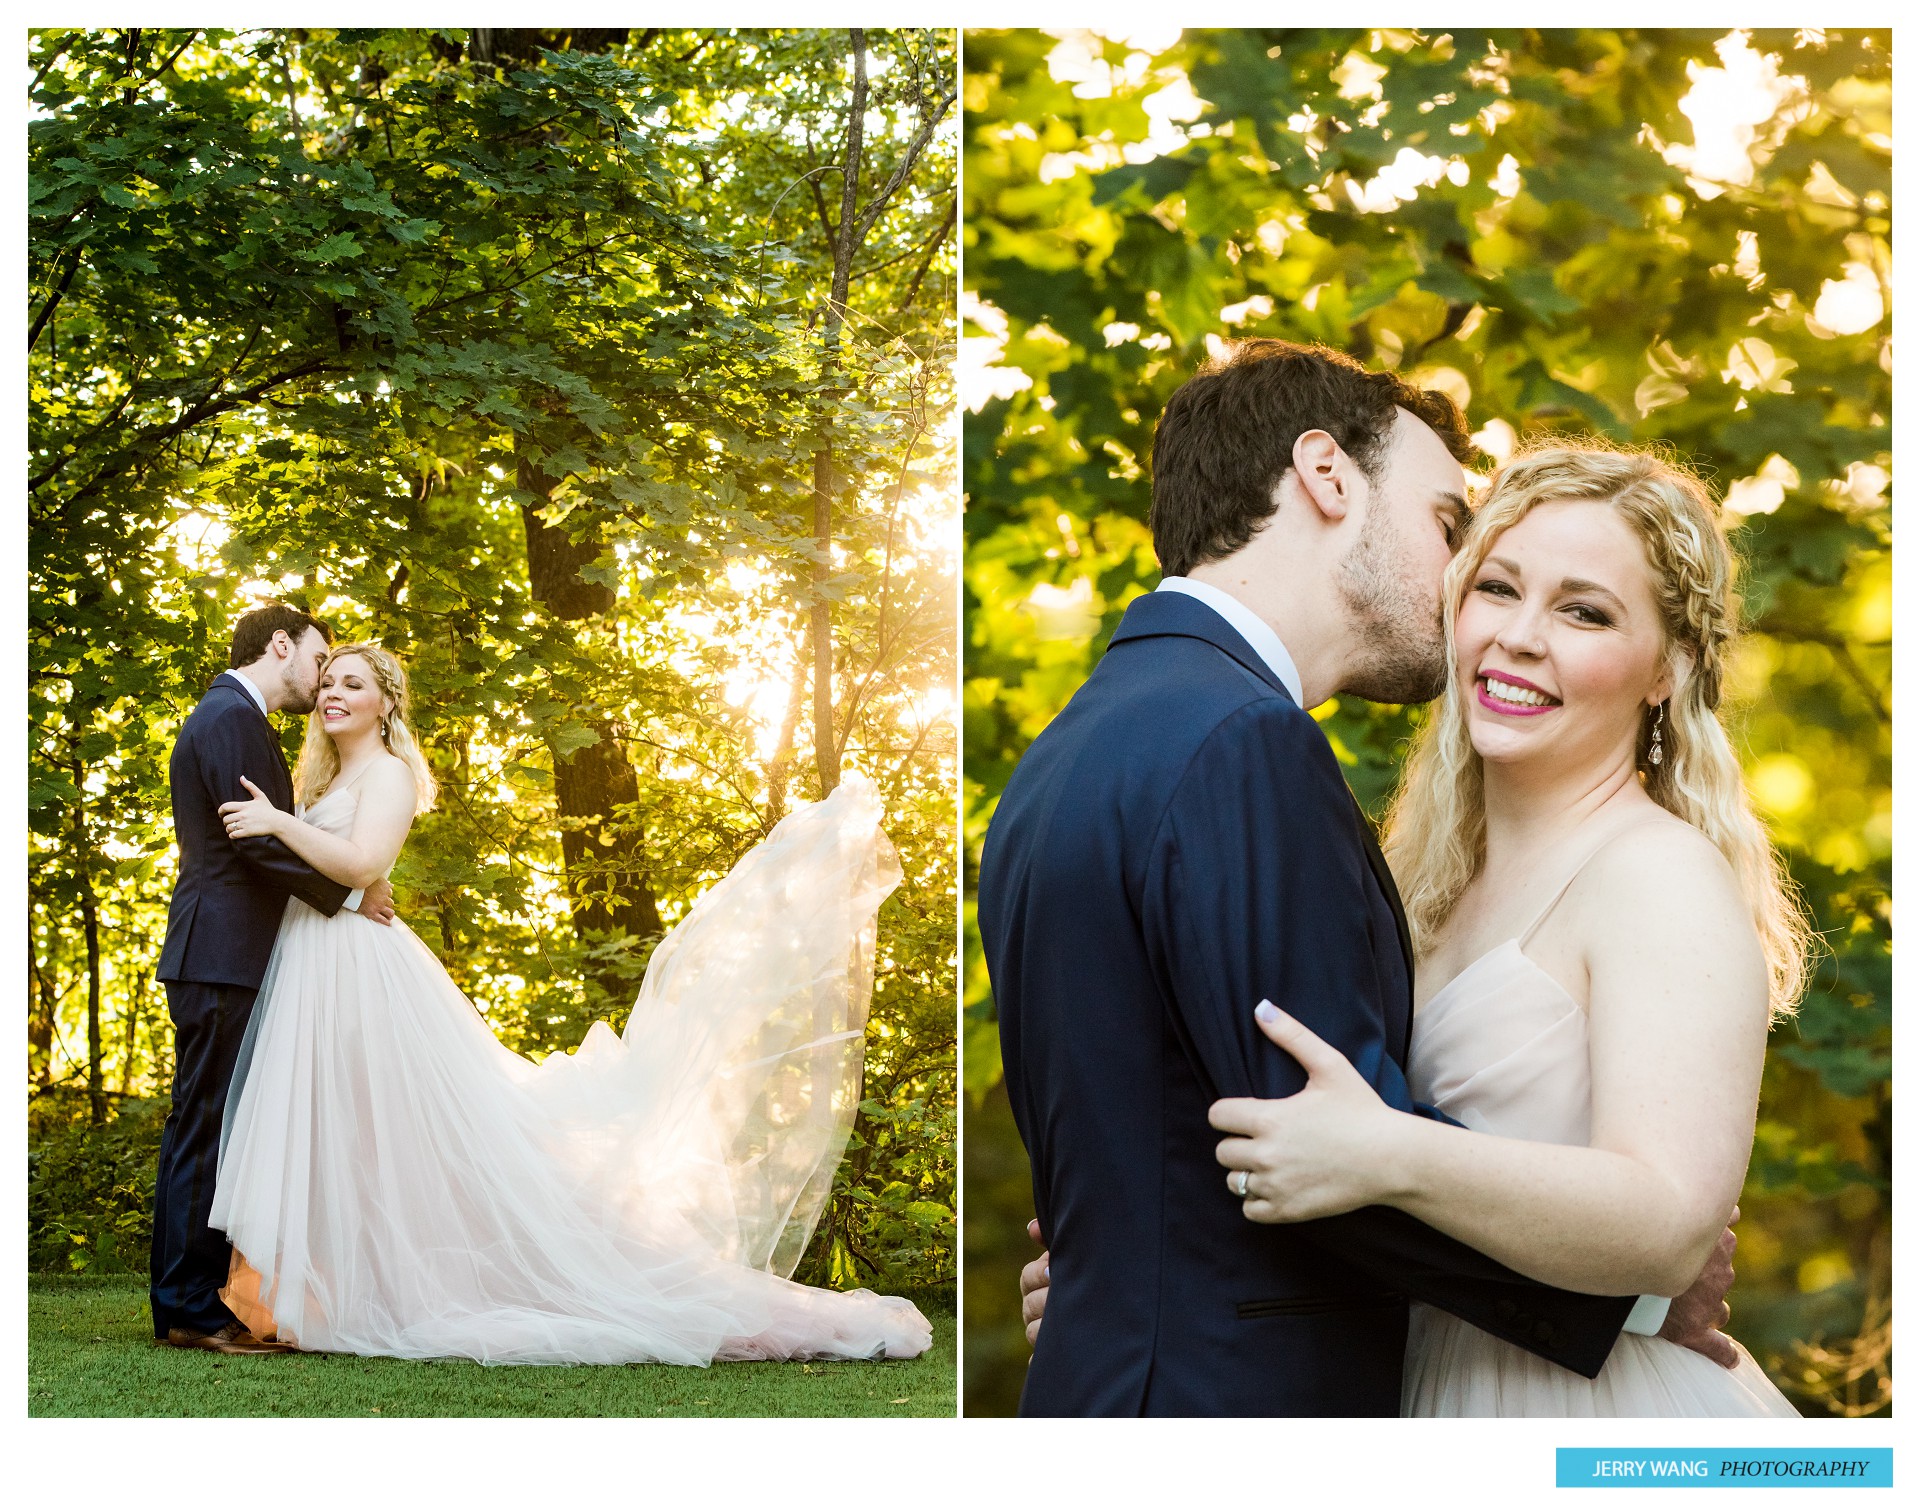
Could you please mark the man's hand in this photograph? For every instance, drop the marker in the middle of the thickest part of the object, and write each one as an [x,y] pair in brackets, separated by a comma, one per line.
[376,902]
[1034,1280]
[1694,1319]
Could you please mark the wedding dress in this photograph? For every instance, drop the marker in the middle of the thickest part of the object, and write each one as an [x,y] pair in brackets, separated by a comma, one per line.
[397,1182]
[1502,1049]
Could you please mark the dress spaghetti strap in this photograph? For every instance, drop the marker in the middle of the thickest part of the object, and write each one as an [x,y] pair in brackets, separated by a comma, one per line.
[1567,882]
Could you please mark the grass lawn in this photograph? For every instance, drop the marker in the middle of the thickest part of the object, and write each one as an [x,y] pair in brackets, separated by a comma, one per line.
[90,1351]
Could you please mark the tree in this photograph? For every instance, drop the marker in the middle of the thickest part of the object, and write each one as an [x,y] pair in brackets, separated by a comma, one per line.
[1527,221]
[482,343]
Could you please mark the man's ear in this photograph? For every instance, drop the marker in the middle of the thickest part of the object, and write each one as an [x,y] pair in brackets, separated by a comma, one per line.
[1325,473]
[280,645]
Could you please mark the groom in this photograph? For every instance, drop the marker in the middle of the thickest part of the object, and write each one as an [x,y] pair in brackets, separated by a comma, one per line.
[1178,844]
[227,903]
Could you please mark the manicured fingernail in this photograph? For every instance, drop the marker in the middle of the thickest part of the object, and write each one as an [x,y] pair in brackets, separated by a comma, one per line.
[1266,1012]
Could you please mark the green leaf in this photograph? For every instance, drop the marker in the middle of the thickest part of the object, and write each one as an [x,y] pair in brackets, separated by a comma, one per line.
[336,247]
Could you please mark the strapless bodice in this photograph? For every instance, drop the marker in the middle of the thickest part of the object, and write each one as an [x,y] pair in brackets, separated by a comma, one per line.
[1502,1049]
[332,811]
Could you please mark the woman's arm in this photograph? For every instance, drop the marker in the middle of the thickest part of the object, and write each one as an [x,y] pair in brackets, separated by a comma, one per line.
[1677,1035]
[380,826]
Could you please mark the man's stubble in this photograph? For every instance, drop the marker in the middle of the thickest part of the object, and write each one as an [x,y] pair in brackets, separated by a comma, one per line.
[1404,659]
[298,697]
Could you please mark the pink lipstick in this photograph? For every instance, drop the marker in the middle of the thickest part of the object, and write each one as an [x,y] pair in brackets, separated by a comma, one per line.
[1517,706]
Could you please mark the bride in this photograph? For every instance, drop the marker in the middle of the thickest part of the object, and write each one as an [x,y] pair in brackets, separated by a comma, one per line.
[1603,935]
[396,1182]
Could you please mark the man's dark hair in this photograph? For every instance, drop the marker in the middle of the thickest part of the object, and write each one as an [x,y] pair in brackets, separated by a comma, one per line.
[255,630]
[1227,437]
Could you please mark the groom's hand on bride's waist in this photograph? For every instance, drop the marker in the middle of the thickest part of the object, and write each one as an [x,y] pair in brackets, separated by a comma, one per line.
[1695,1318]
[1034,1280]
[376,902]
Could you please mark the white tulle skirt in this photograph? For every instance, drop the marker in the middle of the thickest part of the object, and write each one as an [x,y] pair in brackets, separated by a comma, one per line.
[397,1182]
[1453,1368]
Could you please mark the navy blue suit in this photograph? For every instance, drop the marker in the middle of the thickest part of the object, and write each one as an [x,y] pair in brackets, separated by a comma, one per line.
[1177,845]
[227,903]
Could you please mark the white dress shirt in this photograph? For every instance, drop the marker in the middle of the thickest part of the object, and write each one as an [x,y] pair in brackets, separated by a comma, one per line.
[252,689]
[1259,636]
[352,900]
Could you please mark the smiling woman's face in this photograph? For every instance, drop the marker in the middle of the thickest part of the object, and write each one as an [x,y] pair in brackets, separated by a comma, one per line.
[1558,642]
[350,696]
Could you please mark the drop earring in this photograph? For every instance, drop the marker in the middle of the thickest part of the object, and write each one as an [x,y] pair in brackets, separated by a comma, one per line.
[1654,754]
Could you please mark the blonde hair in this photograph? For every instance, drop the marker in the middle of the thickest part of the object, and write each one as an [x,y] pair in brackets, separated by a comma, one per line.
[1437,834]
[319,761]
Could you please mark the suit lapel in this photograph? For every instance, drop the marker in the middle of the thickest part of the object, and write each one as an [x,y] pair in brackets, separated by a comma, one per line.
[285,800]
[1163,613]
[1377,860]
[282,793]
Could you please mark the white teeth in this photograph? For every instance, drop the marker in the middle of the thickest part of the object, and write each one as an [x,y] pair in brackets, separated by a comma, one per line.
[1513,694]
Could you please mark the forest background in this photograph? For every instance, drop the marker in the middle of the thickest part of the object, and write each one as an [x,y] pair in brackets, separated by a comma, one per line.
[604,374]
[1672,237]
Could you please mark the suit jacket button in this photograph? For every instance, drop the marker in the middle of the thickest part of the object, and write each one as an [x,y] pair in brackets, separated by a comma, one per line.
[1508,1310]
[1545,1335]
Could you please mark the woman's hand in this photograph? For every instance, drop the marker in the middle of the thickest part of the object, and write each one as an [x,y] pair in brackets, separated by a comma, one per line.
[253,817]
[1327,1149]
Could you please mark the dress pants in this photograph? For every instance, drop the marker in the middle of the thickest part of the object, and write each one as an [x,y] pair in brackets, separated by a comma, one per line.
[190,1259]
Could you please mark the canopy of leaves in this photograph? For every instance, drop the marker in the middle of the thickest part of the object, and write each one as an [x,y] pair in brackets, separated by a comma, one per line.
[1664,237]
[385,323]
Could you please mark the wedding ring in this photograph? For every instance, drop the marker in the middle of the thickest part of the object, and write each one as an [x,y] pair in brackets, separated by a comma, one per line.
[1240,1188]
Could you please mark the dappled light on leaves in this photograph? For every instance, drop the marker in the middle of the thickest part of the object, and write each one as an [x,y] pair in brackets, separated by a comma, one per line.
[1661,237]
[507,349]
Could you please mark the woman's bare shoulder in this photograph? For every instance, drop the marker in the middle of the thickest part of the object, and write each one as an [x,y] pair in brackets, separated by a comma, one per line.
[389,775]
[1652,839]
[1660,875]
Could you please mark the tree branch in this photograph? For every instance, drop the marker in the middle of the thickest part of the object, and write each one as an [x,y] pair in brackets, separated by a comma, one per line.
[209,407]
[172,58]
[537,271]
[59,51]
[913,289]
[907,255]
[133,385]
[53,302]
[918,144]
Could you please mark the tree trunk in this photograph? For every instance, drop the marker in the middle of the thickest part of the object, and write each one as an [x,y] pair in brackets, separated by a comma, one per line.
[41,1021]
[826,747]
[90,921]
[780,768]
[847,236]
[136,1007]
[607,887]
[554,560]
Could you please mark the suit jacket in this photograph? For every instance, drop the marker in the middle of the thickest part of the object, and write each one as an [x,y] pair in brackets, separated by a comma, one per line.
[229,895]
[1176,846]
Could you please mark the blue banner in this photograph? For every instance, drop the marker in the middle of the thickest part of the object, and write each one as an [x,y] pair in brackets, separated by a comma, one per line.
[1724,1467]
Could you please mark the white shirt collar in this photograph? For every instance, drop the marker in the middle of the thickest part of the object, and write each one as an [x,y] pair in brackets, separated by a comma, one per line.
[252,689]
[1260,637]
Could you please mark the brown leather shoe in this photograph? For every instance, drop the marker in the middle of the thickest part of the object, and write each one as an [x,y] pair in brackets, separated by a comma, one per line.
[232,1339]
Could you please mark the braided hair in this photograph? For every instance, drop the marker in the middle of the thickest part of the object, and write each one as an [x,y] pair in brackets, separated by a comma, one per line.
[1436,839]
[320,759]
